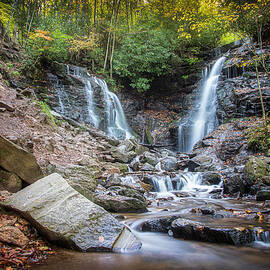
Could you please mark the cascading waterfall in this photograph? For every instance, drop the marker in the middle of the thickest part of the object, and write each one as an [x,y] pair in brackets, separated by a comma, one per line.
[116,122]
[102,109]
[184,181]
[202,120]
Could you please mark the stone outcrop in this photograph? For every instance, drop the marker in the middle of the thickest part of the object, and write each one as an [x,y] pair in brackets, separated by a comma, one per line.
[10,181]
[66,217]
[16,160]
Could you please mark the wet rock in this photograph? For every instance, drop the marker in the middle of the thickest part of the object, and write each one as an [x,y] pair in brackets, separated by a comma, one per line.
[147,167]
[254,171]
[127,192]
[192,165]
[205,163]
[127,242]
[128,181]
[169,164]
[12,235]
[120,155]
[16,160]
[150,158]
[263,195]
[233,184]
[140,149]
[135,164]
[230,148]
[162,224]
[81,178]
[198,231]
[127,145]
[207,211]
[120,204]
[211,178]
[66,217]
[10,181]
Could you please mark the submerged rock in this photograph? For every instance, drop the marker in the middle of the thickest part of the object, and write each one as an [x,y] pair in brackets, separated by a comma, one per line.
[16,160]
[66,217]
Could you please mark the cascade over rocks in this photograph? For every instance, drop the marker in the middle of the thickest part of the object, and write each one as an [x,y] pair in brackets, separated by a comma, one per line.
[66,217]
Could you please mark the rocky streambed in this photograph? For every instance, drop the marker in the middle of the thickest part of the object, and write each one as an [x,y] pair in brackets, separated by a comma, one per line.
[164,232]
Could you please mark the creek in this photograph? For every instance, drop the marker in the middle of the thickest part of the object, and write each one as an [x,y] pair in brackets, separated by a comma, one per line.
[184,198]
[162,251]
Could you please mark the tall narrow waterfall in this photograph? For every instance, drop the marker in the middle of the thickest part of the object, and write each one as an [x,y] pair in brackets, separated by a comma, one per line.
[202,119]
[93,103]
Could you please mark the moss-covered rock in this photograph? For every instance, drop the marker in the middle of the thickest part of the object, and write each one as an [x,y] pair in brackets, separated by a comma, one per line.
[255,170]
[81,178]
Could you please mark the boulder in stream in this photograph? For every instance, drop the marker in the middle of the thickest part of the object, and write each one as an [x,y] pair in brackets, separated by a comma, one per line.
[192,230]
[66,217]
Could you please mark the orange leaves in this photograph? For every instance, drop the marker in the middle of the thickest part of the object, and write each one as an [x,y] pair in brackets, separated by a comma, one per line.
[41,34]
[259,217]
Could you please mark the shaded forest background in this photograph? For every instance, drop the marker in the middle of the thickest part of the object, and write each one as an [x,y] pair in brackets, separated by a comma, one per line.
[130,40]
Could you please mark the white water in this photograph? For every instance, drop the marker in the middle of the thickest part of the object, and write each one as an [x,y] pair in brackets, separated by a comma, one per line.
[111,117]
[116,122]
[202,119]
[189,182]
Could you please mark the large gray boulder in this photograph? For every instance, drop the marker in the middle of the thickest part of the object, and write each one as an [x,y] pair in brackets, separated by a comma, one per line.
[16,160]
[66,217]
[81,178]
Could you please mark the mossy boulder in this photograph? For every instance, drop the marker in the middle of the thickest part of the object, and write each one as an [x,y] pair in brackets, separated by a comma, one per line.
[255,171]
[81,178]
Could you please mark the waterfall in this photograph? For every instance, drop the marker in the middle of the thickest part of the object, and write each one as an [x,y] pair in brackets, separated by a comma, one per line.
[94,103]
[116,122]
[202,120]
[184,181]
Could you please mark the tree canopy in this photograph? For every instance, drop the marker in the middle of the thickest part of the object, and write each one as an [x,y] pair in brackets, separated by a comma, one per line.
[138,39]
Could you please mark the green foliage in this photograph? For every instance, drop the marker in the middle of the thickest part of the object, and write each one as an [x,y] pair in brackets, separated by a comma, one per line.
[259,137]
[143,56]
[53,45]
[46,109]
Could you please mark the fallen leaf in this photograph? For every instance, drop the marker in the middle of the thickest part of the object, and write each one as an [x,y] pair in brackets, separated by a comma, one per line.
[101,239]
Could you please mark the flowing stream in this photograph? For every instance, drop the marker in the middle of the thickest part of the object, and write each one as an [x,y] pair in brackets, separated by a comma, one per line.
[177,193]
[202,119]
[160,251]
